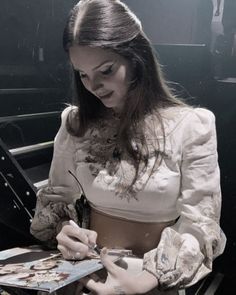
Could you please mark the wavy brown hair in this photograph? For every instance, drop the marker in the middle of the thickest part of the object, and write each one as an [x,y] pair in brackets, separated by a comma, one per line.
[111,25]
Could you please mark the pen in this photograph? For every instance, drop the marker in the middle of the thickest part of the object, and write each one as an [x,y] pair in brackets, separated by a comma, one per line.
[91,247]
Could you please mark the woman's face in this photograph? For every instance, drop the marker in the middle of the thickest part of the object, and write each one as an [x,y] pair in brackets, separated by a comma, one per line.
[104,73]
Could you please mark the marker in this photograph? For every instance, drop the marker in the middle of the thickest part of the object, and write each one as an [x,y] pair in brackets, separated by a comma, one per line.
[96,249]
[91,247]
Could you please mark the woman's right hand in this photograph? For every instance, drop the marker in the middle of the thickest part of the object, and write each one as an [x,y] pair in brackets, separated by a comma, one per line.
[74,241]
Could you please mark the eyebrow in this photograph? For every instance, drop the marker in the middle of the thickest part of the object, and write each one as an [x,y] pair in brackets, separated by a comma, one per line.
[103,63]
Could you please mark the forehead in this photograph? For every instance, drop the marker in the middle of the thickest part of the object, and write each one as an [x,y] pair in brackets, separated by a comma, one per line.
[85,57]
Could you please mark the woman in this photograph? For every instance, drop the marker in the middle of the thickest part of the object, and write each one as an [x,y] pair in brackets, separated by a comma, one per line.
[146,162]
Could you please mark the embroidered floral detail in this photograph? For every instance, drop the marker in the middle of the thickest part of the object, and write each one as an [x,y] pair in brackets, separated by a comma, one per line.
[113,169]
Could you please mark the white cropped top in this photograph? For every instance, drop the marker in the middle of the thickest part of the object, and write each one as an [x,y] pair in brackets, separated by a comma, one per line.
[185,184]
[154,197]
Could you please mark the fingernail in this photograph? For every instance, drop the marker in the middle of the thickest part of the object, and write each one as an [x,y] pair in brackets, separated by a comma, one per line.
[104,251]
[77,255]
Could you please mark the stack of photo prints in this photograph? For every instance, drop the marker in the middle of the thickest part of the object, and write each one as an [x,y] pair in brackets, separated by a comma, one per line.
[37,269]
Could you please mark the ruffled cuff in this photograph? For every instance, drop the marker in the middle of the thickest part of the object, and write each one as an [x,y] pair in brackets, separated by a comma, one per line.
[177,261]
[47,220]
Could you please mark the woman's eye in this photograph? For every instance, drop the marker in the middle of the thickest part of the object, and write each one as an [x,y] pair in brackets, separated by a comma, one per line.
[107,71]
[82,76]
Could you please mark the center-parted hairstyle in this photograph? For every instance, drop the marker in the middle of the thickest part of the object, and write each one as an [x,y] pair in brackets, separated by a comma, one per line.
[111,25]
[100,23]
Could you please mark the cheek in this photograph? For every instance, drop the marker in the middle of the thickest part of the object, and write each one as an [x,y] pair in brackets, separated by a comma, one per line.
[122,74]
[121,79]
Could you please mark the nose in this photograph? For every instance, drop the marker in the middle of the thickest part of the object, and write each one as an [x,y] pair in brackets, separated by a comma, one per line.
[95,84]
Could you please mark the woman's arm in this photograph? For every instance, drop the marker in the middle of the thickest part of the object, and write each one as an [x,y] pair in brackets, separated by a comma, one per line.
[55,203]
[187,249]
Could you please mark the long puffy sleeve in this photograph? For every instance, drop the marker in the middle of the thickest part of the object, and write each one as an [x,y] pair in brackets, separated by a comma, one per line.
[186,250]
[55,203]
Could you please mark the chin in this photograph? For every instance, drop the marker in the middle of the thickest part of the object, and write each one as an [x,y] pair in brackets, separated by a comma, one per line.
[109,105]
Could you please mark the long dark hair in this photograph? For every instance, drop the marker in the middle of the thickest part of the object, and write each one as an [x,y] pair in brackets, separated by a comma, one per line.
[111,25]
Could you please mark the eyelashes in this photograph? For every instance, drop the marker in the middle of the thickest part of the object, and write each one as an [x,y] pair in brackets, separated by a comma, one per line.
[108,70]
[105,72]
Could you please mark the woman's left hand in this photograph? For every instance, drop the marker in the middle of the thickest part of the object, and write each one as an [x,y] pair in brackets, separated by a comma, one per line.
[120,281]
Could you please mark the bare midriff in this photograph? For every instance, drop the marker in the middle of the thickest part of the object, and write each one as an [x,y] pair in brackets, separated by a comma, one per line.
[115,232]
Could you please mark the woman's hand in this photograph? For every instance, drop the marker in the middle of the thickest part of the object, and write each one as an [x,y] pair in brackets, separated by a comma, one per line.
[74,242]
[119,281]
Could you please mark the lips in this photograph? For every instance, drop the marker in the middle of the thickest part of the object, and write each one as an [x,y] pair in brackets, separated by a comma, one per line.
[104,96]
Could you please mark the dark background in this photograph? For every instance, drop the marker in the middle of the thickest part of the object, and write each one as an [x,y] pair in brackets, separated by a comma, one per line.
[35,86]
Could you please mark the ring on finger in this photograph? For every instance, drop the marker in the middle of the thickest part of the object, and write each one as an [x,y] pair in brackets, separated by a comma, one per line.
[76,256]
[68,254]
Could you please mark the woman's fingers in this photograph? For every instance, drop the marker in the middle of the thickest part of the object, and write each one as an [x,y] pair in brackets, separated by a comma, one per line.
[74,233]
[76,240]
[69,254]
[92,236]
[72,252]
[87,236]
[63,251]
[110,266]
[69,240]
[93,285]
